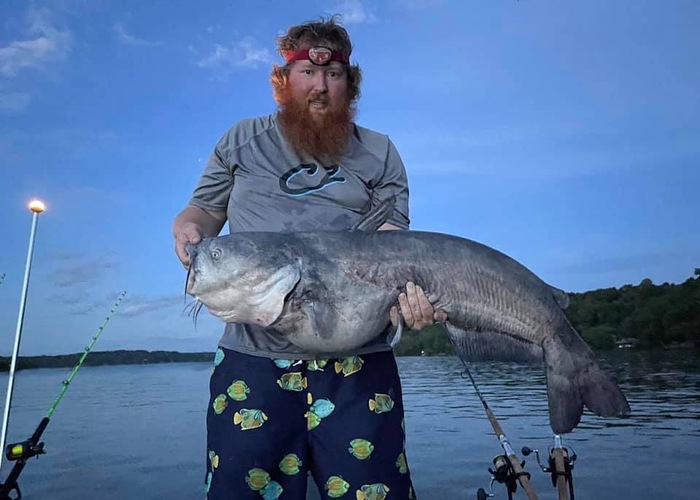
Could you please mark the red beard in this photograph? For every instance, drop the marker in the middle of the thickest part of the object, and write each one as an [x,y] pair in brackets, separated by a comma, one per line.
[325,136]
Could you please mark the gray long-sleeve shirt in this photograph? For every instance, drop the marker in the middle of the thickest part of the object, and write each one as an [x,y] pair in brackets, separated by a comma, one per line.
[261,184]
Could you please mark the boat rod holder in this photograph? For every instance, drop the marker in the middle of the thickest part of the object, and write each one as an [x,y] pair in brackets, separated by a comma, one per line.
[557,451]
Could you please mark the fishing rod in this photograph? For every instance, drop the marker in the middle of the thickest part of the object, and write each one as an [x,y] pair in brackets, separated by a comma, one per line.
[21,452]
[507,468]
[560,464]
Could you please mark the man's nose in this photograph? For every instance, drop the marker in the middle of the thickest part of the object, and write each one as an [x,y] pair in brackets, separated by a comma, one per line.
[320,82]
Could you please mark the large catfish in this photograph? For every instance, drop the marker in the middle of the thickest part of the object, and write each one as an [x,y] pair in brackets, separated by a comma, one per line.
[331,292]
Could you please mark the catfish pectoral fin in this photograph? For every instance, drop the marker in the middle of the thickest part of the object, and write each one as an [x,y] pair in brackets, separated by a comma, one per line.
[376,216]
[397,336]
[318,320]
[266,299]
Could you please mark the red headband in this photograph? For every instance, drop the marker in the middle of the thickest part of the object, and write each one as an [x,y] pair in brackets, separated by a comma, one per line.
[317,55]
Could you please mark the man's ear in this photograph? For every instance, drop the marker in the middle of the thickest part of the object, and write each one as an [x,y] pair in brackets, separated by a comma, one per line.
[280,80]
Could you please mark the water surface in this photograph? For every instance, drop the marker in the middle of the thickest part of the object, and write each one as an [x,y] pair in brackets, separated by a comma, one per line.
[138,431]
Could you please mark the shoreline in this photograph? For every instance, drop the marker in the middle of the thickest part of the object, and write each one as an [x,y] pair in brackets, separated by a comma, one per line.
[142,357]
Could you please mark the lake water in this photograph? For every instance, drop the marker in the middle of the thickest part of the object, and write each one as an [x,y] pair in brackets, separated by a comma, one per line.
[138,432]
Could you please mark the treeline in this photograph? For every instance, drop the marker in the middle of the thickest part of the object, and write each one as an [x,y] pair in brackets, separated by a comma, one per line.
[653,316]
[656,315]
[99,358]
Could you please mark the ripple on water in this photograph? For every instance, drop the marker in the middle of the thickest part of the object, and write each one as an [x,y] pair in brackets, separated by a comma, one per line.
[147,422]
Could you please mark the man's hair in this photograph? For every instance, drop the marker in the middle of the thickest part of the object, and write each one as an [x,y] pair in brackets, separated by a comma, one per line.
[325,32]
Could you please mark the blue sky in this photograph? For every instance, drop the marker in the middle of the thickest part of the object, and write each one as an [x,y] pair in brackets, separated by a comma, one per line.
[566,134]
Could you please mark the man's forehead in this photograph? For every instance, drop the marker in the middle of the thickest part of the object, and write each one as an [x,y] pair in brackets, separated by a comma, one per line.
[335,65]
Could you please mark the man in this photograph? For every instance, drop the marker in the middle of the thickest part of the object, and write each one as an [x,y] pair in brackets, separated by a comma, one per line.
[277,412]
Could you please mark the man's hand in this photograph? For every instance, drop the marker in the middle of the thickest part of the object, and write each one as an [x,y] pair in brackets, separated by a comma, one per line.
[187,233]
[193,224]
[416,309]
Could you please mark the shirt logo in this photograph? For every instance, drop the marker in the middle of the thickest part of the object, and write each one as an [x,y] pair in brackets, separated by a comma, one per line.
[307,171]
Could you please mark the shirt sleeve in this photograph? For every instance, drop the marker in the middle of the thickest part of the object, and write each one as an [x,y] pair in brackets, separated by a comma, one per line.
[394,182]
[215,185]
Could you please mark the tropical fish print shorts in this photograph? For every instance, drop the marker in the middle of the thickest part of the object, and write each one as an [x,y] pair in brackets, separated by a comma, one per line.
[271,422]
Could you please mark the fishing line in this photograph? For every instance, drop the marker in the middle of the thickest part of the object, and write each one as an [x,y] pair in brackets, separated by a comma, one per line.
[21,452]
[507,469]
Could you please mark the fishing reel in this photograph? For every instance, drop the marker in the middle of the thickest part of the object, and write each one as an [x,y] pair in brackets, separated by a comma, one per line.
[20,453]
[559,463]
[501,473]
[24,450]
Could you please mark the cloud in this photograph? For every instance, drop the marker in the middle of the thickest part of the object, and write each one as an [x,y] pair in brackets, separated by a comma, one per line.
[541,153]
[79,283]
[139,306]
[45,45]
[493,137]
[602,265]
[415,5]
[76,269]
[194,342]
[243,53]
[128,39]
[14,102]
[354,12]
[72,144]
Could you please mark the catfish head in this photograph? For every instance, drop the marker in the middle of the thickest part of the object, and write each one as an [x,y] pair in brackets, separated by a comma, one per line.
[240,280]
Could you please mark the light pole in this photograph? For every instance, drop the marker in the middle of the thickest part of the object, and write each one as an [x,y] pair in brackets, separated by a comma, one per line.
[36,207]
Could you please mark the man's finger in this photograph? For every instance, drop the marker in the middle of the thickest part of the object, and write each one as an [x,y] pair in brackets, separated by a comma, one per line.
[181,249]
[440,316]
[406,311]
[188,235]
[411,294]
[413,301]
[182,254]
[426,308]
[394,316]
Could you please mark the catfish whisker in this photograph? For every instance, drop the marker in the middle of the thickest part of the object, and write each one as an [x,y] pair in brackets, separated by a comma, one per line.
[193,308]
[199,306]
[187,280]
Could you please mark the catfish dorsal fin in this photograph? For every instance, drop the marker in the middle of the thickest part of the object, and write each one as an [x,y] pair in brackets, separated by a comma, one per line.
[560,296]
[376,216]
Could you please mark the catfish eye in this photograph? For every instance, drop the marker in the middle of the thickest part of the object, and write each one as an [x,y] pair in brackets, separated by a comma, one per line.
[216,253]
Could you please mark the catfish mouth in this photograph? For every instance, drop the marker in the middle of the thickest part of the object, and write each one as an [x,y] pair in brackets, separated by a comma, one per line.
[196,306]
[192,271]
[190,280]
[196,286]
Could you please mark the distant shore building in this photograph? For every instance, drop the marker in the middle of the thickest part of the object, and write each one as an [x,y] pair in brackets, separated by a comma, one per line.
[627,343]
